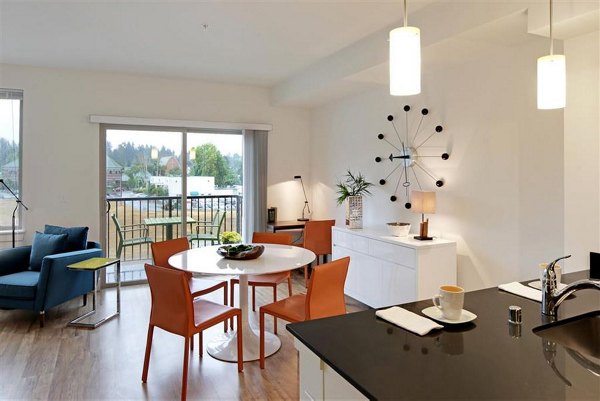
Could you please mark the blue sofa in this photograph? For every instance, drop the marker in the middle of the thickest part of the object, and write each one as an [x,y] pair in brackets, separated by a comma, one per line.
[21,288]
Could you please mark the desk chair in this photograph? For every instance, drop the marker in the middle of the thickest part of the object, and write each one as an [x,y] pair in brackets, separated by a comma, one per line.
[325,297]
[122,231]
[266,280]
[174,310]
[162,251]
[317,238]
[212,230]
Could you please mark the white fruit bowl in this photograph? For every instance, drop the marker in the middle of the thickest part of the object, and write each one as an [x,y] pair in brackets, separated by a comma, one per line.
[399,229]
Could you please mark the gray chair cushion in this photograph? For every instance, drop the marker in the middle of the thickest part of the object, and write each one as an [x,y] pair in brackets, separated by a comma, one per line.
[21,285]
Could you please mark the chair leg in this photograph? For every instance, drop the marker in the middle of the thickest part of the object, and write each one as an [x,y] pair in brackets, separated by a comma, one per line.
[225,303]
[240,344]
[306,276]
[231,299]
[289,286]
[275,300]
[253,298]
[84,299]
[186,356]
[200,345]
[192,344]
[147,355]
[262,339]
[42,318]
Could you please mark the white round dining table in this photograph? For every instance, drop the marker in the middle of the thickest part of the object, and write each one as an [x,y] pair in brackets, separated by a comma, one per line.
[276,258]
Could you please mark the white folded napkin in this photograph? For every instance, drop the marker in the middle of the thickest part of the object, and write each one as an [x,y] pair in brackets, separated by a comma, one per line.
[407,320]
[521,290]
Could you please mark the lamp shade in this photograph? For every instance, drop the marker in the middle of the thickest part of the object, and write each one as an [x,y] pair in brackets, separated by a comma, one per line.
[423,202]
[551,82]
[405,61]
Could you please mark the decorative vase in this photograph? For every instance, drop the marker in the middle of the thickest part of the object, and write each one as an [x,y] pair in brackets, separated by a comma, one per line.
[354,211]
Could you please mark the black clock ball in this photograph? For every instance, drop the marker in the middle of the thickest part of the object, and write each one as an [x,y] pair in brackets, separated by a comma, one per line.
[439,128]
[439,183]
[407,205]
[390,118]
[445,156]
[393,198]
[382,182]
[378,159]
[424,112]
[380,136]
[407,108]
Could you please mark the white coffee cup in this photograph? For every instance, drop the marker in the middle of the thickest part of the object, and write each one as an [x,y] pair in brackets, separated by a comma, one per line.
[450,301]
[557,270]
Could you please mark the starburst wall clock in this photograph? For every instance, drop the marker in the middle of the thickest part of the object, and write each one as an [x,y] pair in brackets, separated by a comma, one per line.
[407,157]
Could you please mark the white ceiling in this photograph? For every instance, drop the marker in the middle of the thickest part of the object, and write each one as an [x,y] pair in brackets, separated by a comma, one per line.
[251,42]
[307,51]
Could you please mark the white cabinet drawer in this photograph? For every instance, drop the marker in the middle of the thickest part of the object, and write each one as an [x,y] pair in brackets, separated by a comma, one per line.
[393,253]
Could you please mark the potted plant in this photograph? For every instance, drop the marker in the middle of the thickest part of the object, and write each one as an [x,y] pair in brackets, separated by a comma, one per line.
[230,237]
[351,190]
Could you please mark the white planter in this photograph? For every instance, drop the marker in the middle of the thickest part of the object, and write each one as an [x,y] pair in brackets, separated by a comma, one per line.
[354,211]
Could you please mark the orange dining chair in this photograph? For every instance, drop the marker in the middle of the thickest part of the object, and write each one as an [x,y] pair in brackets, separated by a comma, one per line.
[174,310]
[325,297]
[266,280]
[162,251]
[317,238]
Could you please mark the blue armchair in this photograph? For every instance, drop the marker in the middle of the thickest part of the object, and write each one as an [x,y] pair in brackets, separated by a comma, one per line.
[21,288]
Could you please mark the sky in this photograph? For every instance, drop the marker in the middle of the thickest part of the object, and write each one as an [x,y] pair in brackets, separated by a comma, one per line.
[9,120]
[226,143]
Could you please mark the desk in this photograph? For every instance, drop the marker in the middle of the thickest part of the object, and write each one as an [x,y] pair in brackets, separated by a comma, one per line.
[96,264]
[286,225]
[276,258]
[168,222]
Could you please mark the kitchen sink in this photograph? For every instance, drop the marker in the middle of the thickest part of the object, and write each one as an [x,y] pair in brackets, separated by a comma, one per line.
[579,333]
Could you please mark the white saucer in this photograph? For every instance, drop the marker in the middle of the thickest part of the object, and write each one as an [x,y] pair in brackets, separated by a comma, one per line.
[538,285]
[436,314]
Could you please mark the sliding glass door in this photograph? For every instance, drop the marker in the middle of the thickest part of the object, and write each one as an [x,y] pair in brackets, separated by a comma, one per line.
[163,184]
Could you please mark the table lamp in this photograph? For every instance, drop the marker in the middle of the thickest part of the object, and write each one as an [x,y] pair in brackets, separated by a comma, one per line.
[423,202]
[298,177]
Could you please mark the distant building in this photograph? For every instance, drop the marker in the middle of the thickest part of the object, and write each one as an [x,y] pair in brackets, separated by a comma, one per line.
[169,163]
[114,176]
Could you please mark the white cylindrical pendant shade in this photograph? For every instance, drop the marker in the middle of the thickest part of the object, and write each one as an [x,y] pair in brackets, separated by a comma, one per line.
[405,61]
[551,82]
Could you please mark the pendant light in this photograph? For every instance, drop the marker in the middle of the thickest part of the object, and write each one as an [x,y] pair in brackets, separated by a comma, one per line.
[405,59]
[551,77]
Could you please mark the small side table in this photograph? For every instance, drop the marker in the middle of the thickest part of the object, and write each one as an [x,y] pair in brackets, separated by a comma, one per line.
[96,264]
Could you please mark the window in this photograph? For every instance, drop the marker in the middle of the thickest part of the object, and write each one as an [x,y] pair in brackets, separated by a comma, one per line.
[11,129]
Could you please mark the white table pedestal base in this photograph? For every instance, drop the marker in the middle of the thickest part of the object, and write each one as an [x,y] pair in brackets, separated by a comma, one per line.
[224,346]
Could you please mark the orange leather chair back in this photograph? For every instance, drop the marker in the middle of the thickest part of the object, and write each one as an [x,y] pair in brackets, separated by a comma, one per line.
[172,308]
[317,236]
[272,238]
[325,296]
[162,251]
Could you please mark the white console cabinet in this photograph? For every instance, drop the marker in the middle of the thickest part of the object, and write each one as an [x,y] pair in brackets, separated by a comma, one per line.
[386,270]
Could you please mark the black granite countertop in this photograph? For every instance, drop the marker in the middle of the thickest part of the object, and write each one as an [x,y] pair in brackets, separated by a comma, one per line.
[477,361]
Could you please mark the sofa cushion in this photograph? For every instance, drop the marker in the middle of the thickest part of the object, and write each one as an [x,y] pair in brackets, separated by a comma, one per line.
[21,285]
[44,245]
[76,236]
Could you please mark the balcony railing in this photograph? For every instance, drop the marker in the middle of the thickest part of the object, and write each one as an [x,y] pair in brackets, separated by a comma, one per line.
[200,208]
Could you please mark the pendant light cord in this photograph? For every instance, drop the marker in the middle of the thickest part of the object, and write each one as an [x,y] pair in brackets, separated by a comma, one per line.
[405,14]
[551,36]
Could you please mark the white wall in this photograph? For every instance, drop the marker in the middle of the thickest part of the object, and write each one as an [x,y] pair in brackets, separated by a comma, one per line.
[60,146]
[582,149]
[503,198]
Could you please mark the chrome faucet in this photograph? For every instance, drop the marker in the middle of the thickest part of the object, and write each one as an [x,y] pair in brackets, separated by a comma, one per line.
[552,297]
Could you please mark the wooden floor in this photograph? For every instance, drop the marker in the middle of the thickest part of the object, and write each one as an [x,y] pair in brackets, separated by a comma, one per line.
[64,363]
